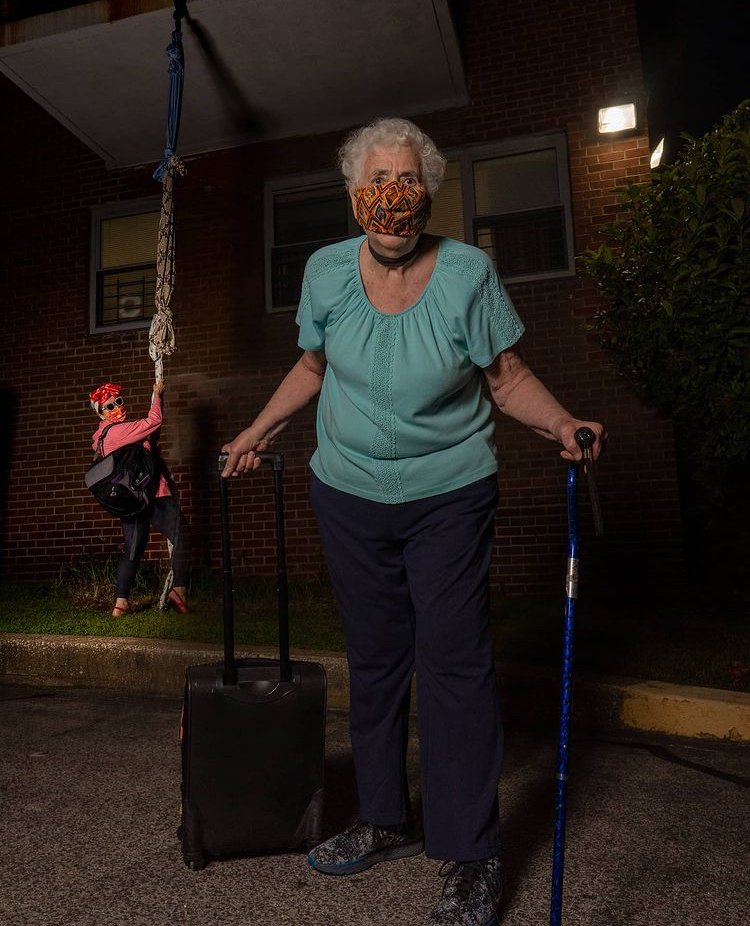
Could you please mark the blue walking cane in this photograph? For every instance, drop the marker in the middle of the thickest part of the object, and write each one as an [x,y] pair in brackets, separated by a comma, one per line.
[585,440]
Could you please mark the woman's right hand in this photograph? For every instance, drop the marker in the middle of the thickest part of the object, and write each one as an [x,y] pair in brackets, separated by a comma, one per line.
[242,453]
[301,384]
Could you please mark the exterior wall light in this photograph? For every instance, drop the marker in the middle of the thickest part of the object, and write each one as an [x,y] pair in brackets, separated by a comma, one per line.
[620,118]
[657,154]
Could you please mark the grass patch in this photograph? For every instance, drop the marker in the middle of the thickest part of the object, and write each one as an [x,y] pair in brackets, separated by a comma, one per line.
[672,641]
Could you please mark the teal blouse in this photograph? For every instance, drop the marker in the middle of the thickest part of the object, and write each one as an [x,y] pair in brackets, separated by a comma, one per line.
[401,413]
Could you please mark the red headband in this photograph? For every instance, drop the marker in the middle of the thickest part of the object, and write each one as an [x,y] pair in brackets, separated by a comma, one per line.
[104,392]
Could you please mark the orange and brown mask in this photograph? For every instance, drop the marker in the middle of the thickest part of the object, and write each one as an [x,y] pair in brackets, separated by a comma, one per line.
[392,208]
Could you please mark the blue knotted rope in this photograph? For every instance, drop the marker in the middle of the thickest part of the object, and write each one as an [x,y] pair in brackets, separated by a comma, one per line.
[174,106]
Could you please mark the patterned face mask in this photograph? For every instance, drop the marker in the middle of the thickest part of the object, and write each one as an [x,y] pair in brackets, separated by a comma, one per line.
[392,208]
[118,413]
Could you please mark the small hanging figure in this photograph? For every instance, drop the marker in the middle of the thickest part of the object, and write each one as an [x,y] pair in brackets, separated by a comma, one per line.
[164,514]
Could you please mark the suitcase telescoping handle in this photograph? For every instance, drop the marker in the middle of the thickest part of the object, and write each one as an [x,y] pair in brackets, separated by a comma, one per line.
[276,462]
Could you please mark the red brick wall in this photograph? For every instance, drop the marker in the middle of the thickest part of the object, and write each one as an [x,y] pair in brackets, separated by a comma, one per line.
[532,68]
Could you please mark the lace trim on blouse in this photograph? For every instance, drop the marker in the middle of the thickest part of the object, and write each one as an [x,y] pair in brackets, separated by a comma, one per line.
[319,265]
[482,275]
[383,444]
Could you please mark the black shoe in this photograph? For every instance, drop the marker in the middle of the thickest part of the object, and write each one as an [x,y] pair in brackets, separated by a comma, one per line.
[362,846]
[471,894]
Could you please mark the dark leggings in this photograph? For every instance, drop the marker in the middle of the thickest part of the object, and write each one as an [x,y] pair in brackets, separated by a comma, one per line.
[165,517]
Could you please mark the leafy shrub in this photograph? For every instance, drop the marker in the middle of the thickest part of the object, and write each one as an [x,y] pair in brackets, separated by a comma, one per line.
[675,270]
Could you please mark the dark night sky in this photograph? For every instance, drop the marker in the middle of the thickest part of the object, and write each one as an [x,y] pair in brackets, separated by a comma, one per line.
[696,63]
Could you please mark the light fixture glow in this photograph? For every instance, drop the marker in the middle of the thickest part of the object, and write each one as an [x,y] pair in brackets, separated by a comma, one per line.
[657,154]
[617,118]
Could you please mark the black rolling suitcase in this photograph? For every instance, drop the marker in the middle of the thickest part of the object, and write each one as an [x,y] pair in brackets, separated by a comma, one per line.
[253,735]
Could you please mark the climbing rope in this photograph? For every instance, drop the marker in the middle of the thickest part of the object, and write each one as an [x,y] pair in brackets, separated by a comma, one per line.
[161,338]
[161,334]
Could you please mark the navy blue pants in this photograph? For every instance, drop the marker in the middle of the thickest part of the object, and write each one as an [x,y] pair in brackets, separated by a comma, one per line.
[412,584]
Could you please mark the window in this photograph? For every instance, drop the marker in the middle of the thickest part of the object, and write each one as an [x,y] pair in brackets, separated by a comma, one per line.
[511,199]
[302,215]
[123,249]
[447,216]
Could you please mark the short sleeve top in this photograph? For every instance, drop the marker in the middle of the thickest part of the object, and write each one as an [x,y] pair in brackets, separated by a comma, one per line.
[401,413]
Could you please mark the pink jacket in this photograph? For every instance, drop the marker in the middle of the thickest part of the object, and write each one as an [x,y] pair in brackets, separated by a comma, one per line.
[127,432]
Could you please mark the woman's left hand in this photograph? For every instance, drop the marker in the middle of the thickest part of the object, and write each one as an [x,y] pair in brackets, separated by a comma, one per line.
[566,435]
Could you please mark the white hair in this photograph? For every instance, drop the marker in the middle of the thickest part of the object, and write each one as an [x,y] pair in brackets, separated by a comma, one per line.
[388,132]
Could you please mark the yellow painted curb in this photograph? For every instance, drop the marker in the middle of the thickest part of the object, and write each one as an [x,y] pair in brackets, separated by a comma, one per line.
[157,667]
[659,707]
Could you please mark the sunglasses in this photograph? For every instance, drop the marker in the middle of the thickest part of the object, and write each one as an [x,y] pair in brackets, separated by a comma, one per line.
[110,406]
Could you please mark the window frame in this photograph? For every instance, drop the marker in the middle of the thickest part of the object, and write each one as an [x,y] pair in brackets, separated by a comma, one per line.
[467,156]
[98,215]
[290,184]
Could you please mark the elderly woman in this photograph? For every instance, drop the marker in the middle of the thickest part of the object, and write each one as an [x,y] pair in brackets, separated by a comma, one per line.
[164,514]
[399,332]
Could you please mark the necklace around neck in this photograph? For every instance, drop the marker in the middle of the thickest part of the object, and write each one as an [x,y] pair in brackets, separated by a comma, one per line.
[394,261]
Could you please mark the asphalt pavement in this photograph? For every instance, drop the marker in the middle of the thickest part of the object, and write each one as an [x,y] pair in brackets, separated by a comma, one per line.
[657,831]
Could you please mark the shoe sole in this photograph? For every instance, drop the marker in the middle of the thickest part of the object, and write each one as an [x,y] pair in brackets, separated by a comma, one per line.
[492,921]
[366,861]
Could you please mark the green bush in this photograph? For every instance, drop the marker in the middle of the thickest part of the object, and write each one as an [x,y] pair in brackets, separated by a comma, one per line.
[675,270]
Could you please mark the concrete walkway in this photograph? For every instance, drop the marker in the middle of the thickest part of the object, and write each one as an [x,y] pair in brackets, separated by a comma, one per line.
[157,667]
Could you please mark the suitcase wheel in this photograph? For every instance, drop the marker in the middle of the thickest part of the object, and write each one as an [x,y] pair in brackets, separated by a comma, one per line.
[195,861]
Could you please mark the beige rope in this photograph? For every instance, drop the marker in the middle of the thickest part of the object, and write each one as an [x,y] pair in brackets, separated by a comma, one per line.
[161,339]
[161,334]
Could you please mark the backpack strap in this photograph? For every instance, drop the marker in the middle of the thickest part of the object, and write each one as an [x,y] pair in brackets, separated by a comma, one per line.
[100,443]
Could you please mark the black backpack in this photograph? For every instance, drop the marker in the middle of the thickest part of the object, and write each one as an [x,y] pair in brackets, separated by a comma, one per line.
[124,482]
